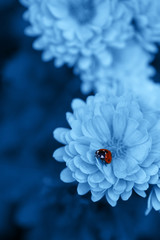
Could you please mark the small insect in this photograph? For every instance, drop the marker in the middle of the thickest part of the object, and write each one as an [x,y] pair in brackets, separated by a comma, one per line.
[104,155]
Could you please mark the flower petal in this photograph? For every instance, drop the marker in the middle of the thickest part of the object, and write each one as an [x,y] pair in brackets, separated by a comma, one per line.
[81,149]
[96,177]
[96,196]
[140,176]
[119,186]
[157,193]
[76,129]
[101,128]
[129,186]
[152,170]
[77,103]
[59,134]
[119,168]
[108,173]
[90,157]
[112,195]
[140,152]
[59,153]
[119,125]
[107,111]
[84,167]
[130,128]
[132,165]
[149,160]
[143,186]
[105,184]
[149,205]
[80,177]
[155,203]
[154,179]
[137,137]
[83,188]
[126,195]
[66,176]
[140,193]
[70,165]
[89,131]
[110,201]
[57,10]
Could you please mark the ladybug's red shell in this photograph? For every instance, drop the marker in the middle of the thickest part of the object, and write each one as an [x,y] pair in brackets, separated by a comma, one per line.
[104,155]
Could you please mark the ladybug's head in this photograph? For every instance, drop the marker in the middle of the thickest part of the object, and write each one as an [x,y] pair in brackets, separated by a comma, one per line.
[104,155]
[100,154]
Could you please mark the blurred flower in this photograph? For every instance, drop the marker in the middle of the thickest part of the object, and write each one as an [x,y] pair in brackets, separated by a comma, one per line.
[128,129]
[130,64]
[130,69]
[76,31]
[146,21]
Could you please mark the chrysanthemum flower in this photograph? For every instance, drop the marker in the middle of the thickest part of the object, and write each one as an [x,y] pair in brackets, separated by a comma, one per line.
[129,70]
[75,31]
[146,21]
[124,126]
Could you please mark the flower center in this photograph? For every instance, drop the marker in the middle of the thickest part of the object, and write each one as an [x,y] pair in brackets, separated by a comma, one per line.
[82,10]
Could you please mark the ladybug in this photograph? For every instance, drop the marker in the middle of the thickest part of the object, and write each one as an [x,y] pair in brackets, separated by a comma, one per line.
[104,155]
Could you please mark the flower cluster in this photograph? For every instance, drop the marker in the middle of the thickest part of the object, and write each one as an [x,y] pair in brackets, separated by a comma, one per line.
[111,45]
[73,31]
[125,62]
[98,38]
[145,21]
[77,31]
[124,126]
[133,70]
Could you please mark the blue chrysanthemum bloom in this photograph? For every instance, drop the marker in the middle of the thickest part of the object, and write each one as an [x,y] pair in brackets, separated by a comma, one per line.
[132,67]
[76,31]
[146,21]
[131,64]
[127,128]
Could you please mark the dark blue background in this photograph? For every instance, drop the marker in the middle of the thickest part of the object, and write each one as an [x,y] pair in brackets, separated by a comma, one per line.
[34,203]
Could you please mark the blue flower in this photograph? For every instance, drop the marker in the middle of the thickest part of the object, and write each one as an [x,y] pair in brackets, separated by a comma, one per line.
[128,129]
[132,67]
[145,21]
[76,31]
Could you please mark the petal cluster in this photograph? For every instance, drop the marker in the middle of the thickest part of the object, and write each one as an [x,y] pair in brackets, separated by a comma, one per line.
[130,70]
[125,63]
[99,38]
[154,198]
[124,126]
[145,22]
[75,31]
